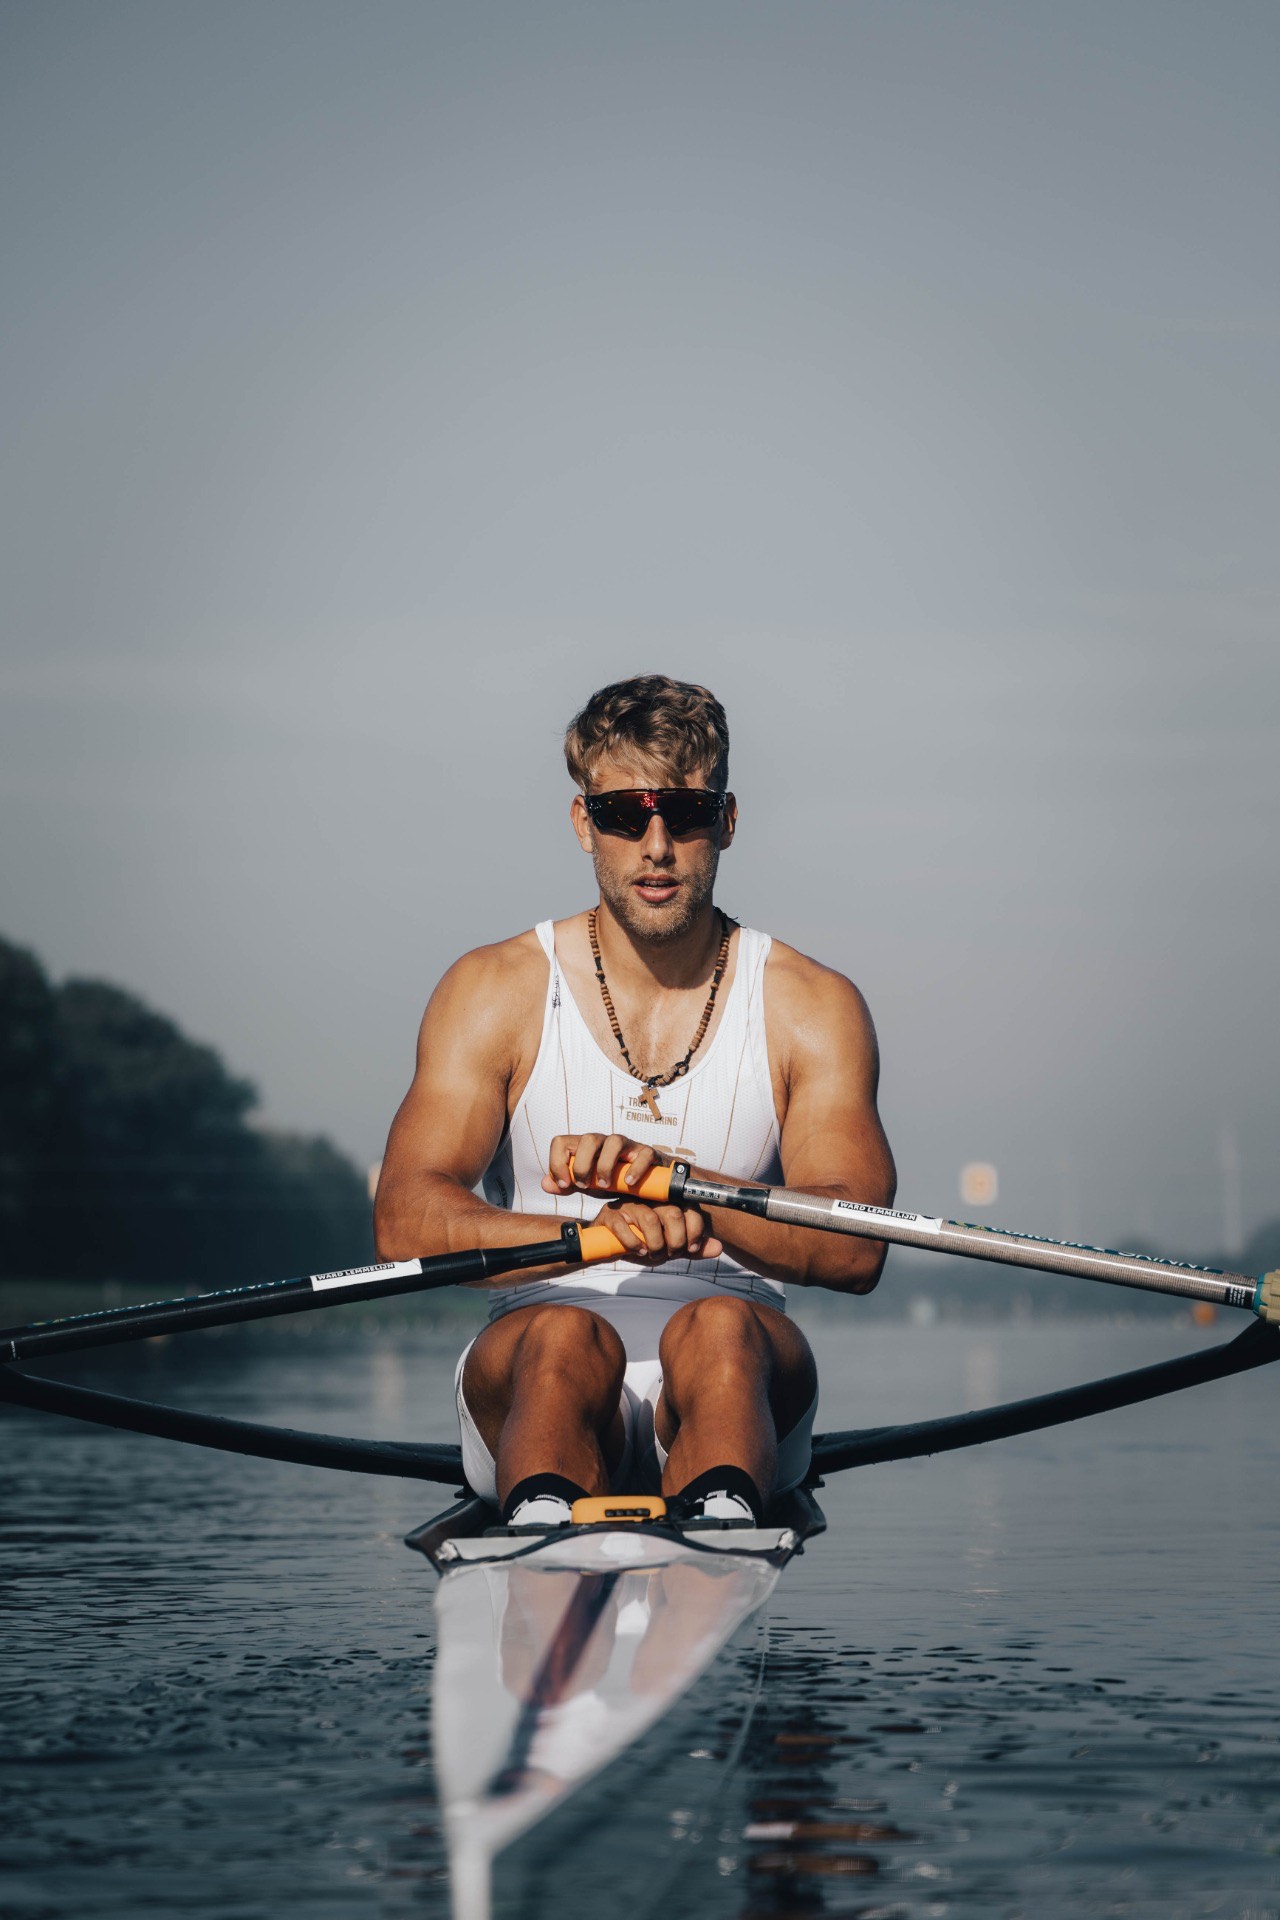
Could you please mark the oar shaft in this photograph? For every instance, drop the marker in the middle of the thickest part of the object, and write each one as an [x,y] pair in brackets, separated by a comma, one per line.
[1048,1256]
[932,1235]
[302,1295]
[223,1308]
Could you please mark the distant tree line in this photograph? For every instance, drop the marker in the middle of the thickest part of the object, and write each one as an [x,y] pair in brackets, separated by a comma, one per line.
[127,1151]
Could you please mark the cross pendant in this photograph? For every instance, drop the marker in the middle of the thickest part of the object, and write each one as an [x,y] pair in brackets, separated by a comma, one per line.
[650,1099]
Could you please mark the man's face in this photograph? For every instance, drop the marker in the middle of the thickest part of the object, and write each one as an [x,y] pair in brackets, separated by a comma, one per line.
[656,887]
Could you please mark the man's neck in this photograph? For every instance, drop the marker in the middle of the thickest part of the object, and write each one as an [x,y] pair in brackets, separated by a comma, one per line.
[675,964]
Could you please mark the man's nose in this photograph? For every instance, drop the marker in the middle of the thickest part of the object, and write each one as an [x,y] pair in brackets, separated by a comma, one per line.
[657,843]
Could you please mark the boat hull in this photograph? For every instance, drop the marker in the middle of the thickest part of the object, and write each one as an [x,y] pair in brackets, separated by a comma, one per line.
[558,1650]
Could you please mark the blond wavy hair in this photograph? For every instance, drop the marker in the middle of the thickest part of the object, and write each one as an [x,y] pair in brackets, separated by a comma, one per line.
[672,726]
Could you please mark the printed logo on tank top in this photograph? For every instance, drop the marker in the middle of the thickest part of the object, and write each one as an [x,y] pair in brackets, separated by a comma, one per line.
[638,1111]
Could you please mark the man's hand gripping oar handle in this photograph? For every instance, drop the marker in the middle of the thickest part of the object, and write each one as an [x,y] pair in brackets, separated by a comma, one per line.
[598,1241]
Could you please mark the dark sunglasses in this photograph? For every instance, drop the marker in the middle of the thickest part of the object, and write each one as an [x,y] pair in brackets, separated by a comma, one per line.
[681,809]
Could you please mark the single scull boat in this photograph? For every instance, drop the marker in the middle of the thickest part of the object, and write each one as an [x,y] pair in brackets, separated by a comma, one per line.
[560,1646]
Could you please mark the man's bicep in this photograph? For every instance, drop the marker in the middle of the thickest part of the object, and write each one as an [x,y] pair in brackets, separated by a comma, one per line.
[445,1127]
[832,1134]
[452,1117]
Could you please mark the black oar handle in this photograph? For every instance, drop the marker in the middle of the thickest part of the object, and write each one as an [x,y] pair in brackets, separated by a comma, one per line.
[303,1295]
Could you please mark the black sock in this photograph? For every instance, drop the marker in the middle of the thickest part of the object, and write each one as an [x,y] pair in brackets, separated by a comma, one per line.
[688,1501]
[536,1486]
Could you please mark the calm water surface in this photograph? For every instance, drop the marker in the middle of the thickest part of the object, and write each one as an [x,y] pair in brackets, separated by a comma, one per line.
[1037,1679]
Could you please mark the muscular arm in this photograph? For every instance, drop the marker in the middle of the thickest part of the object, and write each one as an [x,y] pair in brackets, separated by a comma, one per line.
[450,1122]
[822,1039]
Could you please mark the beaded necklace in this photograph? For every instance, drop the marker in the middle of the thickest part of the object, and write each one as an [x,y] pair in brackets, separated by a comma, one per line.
[648,1082]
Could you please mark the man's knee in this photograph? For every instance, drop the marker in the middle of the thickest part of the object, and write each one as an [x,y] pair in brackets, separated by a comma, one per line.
[572,1342]
[721,1328]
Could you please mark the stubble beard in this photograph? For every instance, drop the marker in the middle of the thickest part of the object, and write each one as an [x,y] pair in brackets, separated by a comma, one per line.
[658,925]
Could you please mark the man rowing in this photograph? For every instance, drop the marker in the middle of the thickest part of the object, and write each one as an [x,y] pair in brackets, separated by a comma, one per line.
[556,1064]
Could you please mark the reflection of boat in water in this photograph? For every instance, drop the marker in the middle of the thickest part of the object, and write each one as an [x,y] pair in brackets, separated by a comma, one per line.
[559,1647]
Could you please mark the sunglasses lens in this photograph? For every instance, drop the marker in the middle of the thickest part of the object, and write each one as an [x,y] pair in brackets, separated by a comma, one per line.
[683,810]
[689,808]
[623,813]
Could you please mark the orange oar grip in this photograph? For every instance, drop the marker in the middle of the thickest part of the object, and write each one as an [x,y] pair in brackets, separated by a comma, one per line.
[598,1243]
[655,1186]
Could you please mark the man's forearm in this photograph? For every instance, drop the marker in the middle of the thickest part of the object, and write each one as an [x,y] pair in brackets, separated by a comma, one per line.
[431,1213]
[800,1256]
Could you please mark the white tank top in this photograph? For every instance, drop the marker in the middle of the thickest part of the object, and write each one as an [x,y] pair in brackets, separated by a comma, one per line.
[720,1115]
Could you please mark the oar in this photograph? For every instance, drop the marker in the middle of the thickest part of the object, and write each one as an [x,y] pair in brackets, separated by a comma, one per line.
[575,1246]
[679,1184]
[578,1245]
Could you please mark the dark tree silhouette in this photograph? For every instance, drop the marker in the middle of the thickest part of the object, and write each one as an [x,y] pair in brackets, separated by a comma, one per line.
[31,1103]
[126,1150]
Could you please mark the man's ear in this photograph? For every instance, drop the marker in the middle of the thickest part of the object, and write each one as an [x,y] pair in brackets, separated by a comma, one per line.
[729,821]
[580,821]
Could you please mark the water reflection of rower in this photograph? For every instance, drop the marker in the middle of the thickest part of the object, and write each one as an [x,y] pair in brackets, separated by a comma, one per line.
[625,1630]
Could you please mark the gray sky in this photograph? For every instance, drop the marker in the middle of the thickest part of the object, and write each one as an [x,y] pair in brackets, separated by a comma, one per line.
[380,379]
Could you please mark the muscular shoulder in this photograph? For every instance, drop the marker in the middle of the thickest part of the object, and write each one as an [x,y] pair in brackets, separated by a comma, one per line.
[508,966]
[814,1012]
[489,998]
